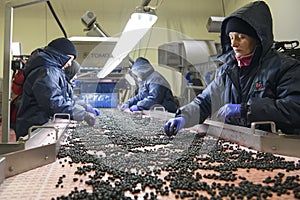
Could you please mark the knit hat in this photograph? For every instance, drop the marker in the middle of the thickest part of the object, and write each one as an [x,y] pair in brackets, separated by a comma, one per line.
[240,26]
[72,70]
[64,46]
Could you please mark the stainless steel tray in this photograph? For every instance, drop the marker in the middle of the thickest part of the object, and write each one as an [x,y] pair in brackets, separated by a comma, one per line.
[39,148]
[252,138]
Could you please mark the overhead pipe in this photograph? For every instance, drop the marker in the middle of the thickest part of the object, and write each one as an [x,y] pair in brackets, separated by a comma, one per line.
[57,19]
[146,3]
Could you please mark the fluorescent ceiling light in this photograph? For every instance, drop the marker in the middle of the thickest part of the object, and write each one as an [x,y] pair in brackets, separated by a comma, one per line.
[137,26]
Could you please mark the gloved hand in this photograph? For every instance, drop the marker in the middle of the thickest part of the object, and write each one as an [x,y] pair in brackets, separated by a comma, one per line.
[134,108]
[90,118]
[97,112]
[90,109]
[78,112]
[229,111]
[124,107]
[172,126]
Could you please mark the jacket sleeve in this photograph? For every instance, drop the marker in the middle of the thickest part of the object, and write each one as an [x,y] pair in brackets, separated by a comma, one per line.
[133,100]
[196,111]
[50,90]
[205,104]
[155,95]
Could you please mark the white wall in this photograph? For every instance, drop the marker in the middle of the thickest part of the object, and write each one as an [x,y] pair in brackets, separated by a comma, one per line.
[285,17]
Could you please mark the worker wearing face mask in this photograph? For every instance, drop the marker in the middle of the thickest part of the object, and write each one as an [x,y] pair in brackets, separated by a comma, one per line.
[154,90]
[45,89]
[254,83]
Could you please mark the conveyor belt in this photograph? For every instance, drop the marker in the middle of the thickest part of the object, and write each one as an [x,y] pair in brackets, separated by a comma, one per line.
[127,155]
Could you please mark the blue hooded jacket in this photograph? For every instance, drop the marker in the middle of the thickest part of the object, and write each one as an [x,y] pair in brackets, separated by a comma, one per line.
[154,89]
[45,91]
[271,91]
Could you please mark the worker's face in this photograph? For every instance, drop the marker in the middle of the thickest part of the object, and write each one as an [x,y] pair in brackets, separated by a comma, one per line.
[136,76]
[69,63]
[242,44]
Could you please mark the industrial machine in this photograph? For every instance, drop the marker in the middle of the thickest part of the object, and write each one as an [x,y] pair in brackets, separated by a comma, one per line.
[194,59]
[100,54]
[290,48]
[93,52]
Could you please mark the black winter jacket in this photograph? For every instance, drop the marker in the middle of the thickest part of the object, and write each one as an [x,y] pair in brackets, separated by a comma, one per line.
[271,90]
[45,91]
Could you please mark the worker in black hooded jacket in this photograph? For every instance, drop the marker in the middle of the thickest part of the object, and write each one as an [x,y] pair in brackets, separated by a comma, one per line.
[250,86]
[46,90]
[154,89]
[71,76]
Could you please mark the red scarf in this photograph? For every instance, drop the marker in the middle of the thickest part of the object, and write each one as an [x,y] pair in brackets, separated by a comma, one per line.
[244,60]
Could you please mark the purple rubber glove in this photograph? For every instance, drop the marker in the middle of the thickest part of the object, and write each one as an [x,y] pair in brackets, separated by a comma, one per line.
[134,108]
[90,118]
[229,111]
[124,107]
[90,109]
[172,126]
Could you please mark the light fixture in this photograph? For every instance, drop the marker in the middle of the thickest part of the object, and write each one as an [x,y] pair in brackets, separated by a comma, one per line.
[214,23]
[138,25]
[93,28]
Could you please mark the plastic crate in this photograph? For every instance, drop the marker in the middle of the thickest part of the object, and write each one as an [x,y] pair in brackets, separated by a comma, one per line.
[96,87]
[101,100]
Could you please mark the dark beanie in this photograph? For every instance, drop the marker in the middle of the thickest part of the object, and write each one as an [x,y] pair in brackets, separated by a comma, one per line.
[72,70]
[64,46]
[240,26]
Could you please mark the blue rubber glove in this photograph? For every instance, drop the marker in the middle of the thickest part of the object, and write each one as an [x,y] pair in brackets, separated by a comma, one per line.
[172,126]
[229,111]
[134,108]
[124,107]
[97,112]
